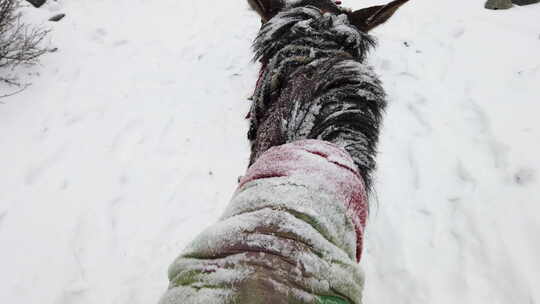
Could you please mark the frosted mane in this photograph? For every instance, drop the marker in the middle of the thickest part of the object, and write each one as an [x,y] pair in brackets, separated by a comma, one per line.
[314,84]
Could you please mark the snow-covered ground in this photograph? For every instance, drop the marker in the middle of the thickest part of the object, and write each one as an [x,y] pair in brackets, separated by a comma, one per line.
[132,136]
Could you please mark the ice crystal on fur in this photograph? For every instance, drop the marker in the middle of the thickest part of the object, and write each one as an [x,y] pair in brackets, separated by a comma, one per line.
[314,84]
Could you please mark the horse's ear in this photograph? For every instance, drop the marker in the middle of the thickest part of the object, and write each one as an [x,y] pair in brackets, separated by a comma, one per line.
[267,8]
[368,18]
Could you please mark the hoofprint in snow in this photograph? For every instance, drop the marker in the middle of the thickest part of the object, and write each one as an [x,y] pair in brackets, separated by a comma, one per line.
[131,139]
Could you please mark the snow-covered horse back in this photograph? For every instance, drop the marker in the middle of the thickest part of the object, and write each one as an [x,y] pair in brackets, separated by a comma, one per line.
[314,83]
[292,234]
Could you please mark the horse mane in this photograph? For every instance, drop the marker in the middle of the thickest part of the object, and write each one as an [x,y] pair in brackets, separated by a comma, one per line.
[314,84]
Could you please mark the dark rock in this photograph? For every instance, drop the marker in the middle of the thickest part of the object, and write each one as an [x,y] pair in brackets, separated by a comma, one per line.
[498,4]
[36,3]
[525,2]
[57,17]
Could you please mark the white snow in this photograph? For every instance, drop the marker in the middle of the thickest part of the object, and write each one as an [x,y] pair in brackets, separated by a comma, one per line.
[131,138]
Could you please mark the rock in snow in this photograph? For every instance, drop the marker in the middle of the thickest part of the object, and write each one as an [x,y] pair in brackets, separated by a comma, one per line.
[498,4]
[57,17]
[525,2]
[36,3]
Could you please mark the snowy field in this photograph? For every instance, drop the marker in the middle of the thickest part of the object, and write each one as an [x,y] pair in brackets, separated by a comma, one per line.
[132,136]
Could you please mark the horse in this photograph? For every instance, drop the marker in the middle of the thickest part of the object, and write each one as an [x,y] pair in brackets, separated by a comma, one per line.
[293,231]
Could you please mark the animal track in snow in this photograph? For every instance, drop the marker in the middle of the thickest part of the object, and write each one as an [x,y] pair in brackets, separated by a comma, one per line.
[525,176]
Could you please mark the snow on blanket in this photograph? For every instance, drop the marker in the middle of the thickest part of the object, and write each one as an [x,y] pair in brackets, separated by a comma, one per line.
[291,234]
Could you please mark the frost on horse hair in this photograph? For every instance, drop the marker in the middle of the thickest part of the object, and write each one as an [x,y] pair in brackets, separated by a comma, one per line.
[314,82]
